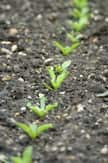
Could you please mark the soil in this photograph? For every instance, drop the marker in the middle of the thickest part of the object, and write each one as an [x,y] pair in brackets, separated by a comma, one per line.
[27,31]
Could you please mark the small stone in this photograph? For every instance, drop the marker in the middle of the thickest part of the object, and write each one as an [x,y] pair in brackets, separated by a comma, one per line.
[21,80]
[62,149]
[49,60]
[54,149]
[2,157]
[23,109]
[14,48]
[22,54]
[106,19]
[29,97]
[62,93]
[13,31]
[104,150]
[6,78]
[6,51]
[80,108]
[88,136]
[39,17]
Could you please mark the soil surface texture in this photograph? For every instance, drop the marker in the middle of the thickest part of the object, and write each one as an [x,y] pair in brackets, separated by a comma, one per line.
[27,31]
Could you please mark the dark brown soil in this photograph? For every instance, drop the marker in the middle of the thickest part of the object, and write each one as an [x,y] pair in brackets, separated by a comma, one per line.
[27,30]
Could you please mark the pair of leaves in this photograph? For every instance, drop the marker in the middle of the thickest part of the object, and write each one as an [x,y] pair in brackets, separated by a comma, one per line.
[32,130]
[26,156]
[57,76]
[66,50]
[79,25]
[80,3]
[43,109]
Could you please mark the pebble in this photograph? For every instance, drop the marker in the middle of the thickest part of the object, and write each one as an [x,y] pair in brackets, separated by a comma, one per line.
[14,48]
[21,79]
[104,150]
[6,51]
[22,54]
[54,149]
[23,109]
[80,108]
[39,17]
[13,31]
[62,149]
[2,157]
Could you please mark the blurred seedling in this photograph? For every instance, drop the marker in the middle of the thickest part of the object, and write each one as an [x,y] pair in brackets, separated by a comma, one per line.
[57,75]
[78,14]
[79,25]
[32,130]
[66,50]
[80,3]
[25,158]
[74,38]
[43,109]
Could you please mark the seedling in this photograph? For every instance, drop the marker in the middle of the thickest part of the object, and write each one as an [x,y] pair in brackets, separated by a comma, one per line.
[80,3]
[63,67]
[79,25]
[26,156]
[57,75]
[32,130]
[74,38]
[78,14]
[66,50]
[43,109]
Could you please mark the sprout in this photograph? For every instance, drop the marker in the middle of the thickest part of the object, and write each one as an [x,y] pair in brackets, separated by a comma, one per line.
[32,130]
[57,75]
[43,109]
[66,50]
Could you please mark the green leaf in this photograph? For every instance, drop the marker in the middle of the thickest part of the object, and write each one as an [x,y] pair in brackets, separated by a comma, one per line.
[51,73]
[61,78]
[27,155]
[65,65]
[17,160]
[33,132]
[43,128]
[51,107]
[24,127]
[43,99]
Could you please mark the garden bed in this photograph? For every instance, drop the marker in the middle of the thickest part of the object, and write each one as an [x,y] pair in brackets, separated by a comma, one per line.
[27,31]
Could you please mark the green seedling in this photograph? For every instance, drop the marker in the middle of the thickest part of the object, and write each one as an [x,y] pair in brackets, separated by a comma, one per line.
[74,38]
[32,130]
[80,3]
[63,67]
[26,156]
[79,25]
[43,109]
[57,75]
[67,49]
[78,14]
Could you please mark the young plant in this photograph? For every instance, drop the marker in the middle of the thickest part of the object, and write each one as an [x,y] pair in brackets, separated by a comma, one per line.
[80,3]
[79,25]
[62,67]
[43,109]
[66,50]
[78,14]
[74,38]
[32,130]
[57,75]
[26,156]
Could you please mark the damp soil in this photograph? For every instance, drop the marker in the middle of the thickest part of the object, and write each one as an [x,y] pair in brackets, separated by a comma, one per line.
[27,31]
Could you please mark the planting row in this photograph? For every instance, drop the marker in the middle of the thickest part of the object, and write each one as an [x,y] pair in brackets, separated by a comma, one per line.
[80,15]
